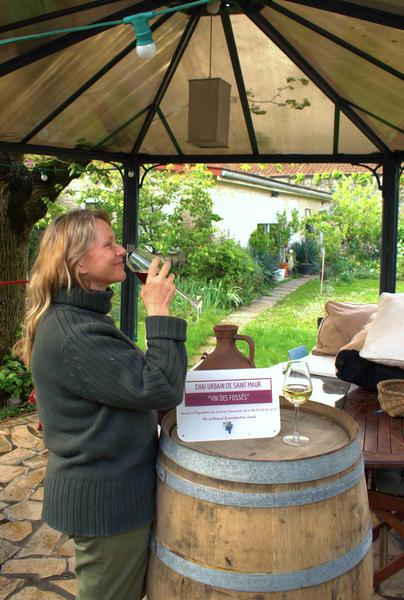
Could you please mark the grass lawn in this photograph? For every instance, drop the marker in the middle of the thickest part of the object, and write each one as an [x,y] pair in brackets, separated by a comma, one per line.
[293,321]
[197,331]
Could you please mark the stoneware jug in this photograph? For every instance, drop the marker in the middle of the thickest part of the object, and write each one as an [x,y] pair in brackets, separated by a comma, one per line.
[226,355]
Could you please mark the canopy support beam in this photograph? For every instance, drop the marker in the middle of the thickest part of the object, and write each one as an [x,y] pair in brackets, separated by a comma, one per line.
[65,41]
[342,7]
[391,193]
[287,48]
[130,240]
[238,75]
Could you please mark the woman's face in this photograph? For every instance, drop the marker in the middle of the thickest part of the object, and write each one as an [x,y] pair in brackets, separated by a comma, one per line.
[103,263]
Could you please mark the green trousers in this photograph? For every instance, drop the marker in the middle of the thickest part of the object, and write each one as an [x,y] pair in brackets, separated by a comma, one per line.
[112,567]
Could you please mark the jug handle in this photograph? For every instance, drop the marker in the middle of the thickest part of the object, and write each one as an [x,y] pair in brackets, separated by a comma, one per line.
[251,345]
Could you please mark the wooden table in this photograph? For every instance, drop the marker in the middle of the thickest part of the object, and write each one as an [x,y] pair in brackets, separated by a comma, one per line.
[383,447]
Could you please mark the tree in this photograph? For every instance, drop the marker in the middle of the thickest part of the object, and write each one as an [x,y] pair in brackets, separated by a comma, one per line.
[28,186]
[351,228]
[175,210]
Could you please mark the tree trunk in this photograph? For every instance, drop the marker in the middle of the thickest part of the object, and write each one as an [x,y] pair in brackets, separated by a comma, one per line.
[13,266]
[24,200]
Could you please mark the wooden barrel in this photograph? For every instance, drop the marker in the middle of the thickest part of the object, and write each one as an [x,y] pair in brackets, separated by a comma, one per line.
[258,519]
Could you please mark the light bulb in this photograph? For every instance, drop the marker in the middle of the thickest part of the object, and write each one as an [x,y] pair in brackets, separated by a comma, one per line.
[145,47]
[131,174]
[44,177]
[146,51]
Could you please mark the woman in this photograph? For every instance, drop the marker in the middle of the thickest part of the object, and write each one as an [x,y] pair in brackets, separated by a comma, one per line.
[97,394]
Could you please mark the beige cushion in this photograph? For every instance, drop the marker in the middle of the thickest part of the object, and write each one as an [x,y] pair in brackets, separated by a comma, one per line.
[342,321]
[358,340]
[385,338]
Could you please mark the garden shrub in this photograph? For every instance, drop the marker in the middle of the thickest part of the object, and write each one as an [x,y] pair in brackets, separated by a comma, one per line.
[15,379]
[307,252]
[269,265]
[225,260]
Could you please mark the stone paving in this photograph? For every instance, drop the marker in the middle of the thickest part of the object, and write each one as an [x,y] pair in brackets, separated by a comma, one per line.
[37,562]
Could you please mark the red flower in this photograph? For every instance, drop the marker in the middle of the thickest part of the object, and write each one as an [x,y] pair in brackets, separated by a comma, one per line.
[32,400]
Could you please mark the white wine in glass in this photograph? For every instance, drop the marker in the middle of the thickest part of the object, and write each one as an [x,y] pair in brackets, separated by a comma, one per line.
[297,389]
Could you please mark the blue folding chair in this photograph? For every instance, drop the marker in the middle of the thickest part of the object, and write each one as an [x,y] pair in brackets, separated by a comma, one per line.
[296,353]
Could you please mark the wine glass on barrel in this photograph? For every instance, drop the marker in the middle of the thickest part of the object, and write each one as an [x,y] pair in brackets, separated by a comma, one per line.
[139,260]
[297,389]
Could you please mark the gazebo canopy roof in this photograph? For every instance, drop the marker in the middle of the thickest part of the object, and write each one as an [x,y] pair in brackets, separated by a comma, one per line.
[311,80]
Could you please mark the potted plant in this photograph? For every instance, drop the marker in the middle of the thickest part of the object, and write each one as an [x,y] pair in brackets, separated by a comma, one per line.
[305,268]
[307,255]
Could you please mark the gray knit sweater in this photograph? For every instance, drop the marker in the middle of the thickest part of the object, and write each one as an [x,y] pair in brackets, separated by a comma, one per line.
[95,393]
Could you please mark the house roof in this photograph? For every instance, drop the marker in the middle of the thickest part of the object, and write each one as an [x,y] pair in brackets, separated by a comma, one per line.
[287,170]
[269,183]
[257,176]
[311,81]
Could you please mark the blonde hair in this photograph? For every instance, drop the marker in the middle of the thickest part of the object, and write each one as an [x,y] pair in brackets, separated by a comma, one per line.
[64,242]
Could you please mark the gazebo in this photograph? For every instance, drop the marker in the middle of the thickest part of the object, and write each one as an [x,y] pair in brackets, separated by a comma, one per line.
[280,81]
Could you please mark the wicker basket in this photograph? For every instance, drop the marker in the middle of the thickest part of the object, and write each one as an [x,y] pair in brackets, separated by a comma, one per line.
[391,396]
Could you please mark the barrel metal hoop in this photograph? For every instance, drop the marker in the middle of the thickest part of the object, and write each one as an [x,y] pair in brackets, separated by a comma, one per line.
[264,582]
[271,472]
[259,499]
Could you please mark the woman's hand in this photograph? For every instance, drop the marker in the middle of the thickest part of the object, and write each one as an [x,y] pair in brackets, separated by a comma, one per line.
[159,290]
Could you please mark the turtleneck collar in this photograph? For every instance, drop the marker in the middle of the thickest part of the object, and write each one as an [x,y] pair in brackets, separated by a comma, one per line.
[94,300]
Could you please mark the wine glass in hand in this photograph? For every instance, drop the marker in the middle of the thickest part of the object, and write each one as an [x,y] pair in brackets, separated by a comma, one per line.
[139,262]
[297,389]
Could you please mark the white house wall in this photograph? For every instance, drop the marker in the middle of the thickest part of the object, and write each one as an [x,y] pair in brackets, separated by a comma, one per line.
[243,206]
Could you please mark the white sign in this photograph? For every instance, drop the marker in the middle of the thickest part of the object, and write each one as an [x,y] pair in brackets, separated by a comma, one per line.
[228,404]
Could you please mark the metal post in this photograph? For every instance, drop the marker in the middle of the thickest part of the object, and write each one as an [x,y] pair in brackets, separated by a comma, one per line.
[130,237]
[388,258]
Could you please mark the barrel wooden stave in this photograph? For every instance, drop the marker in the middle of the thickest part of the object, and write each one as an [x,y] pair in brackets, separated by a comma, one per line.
[216,534]
[251,540]
[166,584]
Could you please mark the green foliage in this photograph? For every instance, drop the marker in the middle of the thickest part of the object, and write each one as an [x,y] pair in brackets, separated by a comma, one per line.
[175,209]
[7,412]
[307,252]
[269,266]
[320,177]
[299,178]
[275,242]
[351,229]
[15,378]
[190,226]
[262,243]
[226,261]
[215,293]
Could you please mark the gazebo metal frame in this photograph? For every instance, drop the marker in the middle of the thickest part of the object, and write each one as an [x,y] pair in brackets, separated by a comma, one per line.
[292,26]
